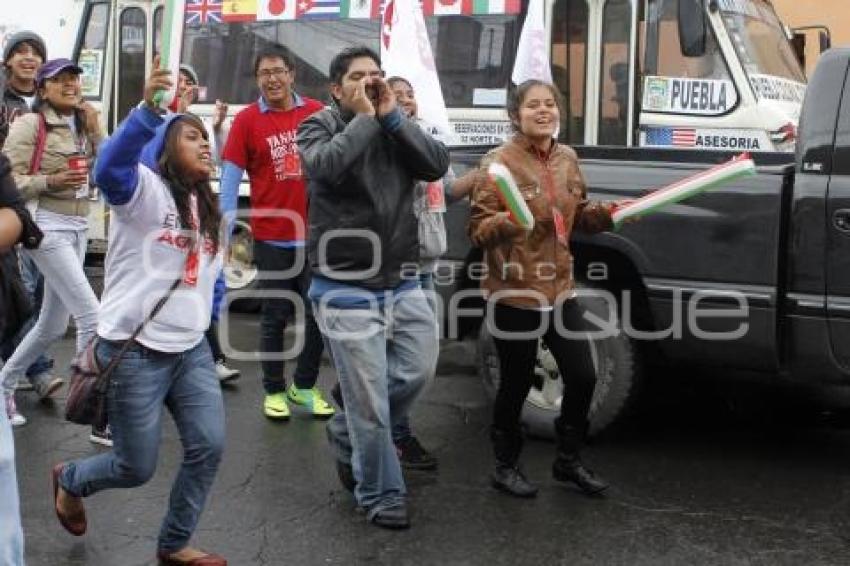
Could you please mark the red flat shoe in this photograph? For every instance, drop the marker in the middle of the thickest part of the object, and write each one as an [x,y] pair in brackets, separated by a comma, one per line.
[206,560]
[76,525]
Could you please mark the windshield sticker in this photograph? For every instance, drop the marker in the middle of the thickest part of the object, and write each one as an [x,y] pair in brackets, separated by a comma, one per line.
[704,97]
[706,138]
[775,88]
[490,97]
[480,133]
[91,62]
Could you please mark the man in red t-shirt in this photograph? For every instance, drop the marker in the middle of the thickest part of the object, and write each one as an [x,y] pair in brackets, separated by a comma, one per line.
[262,143]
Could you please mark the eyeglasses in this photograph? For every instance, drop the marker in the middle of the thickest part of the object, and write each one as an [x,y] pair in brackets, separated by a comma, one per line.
[269,73]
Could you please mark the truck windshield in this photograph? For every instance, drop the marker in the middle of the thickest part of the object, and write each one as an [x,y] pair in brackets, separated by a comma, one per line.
[474,54]
[759,40]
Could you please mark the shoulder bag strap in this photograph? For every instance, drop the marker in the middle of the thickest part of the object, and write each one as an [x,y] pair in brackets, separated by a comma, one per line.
[40,140]
[161,303]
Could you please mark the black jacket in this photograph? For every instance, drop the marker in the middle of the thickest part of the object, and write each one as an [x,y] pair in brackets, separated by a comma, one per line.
[10,197]
[12,105]
[361,177]
[14,304]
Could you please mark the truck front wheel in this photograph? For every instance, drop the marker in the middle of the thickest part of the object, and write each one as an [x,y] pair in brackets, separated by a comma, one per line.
[617,379]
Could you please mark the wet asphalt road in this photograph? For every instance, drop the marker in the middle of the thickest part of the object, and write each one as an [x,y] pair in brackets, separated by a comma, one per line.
[703,475]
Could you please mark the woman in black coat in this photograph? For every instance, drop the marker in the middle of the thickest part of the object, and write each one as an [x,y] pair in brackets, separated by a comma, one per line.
[15,226]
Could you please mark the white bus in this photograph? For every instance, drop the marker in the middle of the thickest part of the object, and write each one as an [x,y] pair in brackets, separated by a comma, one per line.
[695,74]
[623,65]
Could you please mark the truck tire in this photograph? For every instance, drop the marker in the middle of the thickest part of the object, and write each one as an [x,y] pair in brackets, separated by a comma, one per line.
[240,273]
[617,372]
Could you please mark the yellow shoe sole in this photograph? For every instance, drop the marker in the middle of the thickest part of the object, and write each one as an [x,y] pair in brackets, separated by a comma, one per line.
[276,415]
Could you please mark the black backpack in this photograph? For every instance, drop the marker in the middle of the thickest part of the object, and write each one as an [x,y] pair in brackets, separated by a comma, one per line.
[15,306]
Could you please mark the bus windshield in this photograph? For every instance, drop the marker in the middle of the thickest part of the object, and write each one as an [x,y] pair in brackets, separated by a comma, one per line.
[474,54]
[763,48]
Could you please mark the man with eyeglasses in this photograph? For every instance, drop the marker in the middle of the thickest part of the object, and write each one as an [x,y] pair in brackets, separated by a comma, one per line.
[262,143]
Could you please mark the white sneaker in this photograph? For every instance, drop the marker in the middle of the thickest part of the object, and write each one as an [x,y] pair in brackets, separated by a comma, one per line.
[46,384]
[15,418]
[101,436]
[225,373]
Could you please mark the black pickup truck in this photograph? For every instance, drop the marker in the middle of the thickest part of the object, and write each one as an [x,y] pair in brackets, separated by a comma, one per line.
[754,275]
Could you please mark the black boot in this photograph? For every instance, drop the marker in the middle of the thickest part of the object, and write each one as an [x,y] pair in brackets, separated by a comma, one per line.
[568,466]
[507,476]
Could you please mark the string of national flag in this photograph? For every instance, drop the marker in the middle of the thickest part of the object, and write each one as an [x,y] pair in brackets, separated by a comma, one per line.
[205,12]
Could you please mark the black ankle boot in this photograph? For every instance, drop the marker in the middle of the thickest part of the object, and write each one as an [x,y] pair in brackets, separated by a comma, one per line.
[507,477]
[510,479]
[574,471]
[568,466]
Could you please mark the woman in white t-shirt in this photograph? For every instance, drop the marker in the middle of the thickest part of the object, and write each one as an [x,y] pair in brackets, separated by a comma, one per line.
[50,150]
[154,173]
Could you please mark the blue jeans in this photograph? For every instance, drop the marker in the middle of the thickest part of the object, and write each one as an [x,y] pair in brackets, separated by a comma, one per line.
[383,357]
[66,292]
[11,535]
[143,383]
[34,285]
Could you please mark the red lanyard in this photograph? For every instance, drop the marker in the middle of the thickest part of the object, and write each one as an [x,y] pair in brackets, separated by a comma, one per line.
[190,272]
[549,182]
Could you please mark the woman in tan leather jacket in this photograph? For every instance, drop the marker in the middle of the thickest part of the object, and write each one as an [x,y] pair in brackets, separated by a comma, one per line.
[529,284]
[49,150]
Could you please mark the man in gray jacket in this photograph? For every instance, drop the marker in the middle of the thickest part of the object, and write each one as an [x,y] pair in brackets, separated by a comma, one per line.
[362,158]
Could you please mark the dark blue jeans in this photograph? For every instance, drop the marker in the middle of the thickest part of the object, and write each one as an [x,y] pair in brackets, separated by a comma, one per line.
[143,383]
[271,261]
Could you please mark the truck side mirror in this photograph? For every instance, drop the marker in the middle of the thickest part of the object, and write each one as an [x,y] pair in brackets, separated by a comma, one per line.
[824,35]
[692,27]
[825,40]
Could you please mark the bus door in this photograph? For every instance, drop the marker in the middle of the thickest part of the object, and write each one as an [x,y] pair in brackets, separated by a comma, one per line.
[115,49]
[592,57]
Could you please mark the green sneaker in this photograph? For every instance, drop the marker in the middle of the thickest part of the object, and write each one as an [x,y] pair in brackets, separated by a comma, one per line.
[275,407]
[311,399]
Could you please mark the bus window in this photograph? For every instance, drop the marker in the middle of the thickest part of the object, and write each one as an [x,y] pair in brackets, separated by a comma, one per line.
[663,52]
[223,55]
[471,53]
[92,52]
[131,51]
[614,73]
[569,65]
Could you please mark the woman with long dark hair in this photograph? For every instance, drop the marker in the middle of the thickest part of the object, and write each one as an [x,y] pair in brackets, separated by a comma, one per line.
[164,244]
[50,150]
[530,284]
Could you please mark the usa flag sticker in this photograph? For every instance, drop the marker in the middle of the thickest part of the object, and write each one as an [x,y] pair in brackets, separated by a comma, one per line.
[718,139]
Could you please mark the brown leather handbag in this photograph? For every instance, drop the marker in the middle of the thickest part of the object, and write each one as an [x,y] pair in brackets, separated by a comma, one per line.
[86,402]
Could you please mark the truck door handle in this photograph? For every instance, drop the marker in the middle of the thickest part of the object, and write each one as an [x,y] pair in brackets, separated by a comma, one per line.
[841,219]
